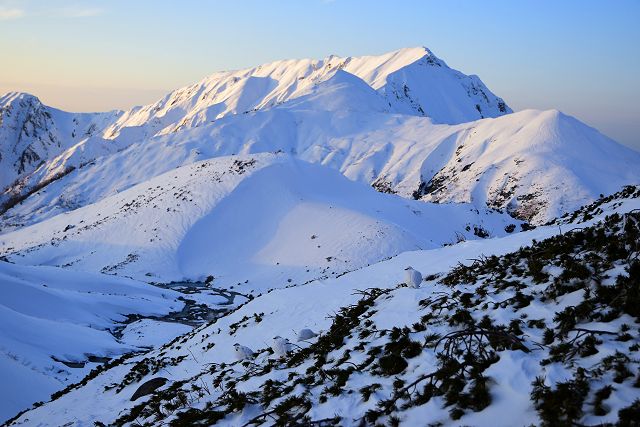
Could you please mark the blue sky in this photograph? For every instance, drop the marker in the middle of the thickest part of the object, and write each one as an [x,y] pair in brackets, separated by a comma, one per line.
[580,56]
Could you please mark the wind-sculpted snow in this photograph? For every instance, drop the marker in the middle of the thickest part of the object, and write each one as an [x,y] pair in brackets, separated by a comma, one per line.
[257,222]
[52,321]
[531,329]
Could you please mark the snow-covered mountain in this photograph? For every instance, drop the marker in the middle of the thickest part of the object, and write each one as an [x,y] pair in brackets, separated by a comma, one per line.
[536,165]
[408,81]
[32,134]
[294,194]
[345,113]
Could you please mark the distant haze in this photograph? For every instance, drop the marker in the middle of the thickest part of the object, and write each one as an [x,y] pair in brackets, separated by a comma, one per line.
[579,56]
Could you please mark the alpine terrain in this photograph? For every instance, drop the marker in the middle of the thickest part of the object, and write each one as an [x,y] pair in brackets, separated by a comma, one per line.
[237,253]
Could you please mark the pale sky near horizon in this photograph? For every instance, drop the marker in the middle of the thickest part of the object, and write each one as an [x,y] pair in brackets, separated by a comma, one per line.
[579,56]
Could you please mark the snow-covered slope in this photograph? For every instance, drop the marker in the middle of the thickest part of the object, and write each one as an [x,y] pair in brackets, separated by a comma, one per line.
[49,316]
[534,164]
[464,349]
[31,133]
[268,219]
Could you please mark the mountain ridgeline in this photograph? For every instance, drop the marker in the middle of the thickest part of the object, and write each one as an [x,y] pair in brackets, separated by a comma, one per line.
[403,122]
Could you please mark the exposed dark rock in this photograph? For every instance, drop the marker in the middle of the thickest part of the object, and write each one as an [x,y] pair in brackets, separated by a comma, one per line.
[149,387]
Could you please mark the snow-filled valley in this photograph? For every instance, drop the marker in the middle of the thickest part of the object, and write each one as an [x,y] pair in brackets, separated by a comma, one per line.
[137,247]
[51,318]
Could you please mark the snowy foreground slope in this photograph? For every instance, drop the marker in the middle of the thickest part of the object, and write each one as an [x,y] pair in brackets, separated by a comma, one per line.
[49,316]
[536,328]
[352,115]
[259,221]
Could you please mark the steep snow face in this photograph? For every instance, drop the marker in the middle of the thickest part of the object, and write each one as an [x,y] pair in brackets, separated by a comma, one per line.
[410,81]
[49,316]
[535,164]
[32,133]
[266,219]
[427,86]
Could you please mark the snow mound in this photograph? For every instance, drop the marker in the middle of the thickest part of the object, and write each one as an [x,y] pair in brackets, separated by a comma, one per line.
[266,218]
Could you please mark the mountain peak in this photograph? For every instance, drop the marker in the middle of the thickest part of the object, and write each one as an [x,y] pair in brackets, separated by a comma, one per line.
[413,54]
[411,81]
[395,58]
[24,97]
